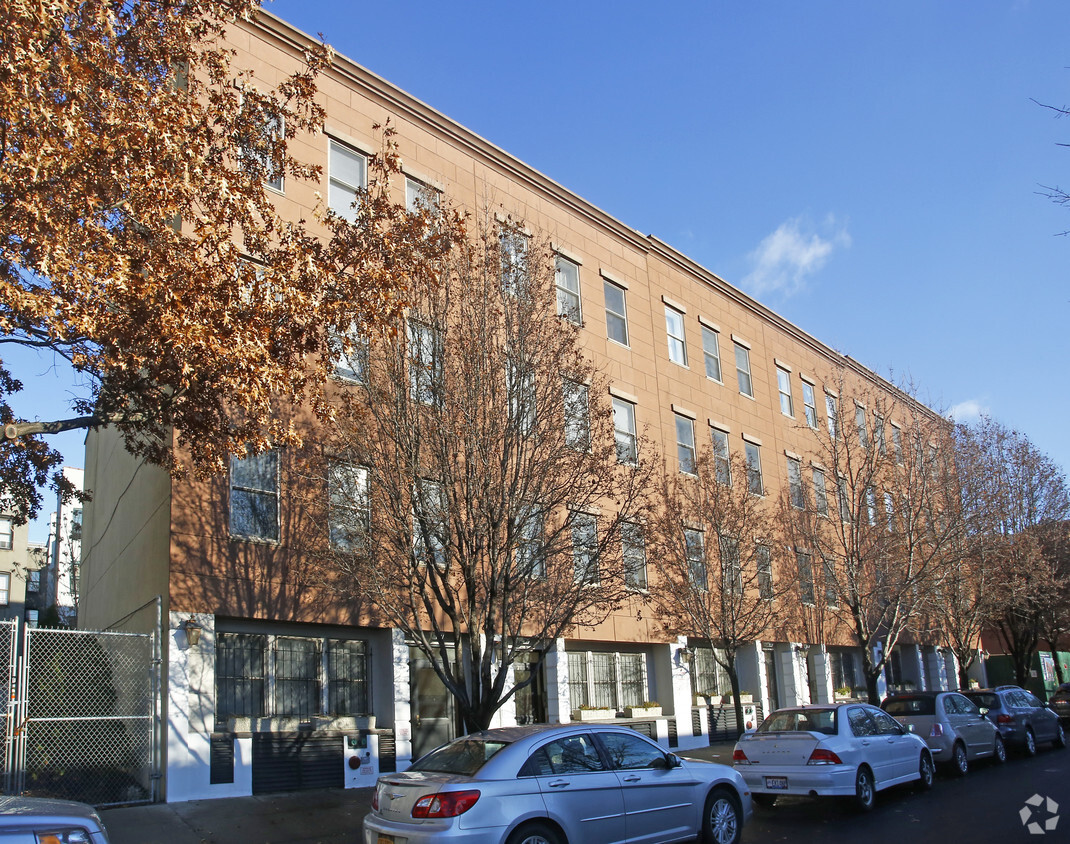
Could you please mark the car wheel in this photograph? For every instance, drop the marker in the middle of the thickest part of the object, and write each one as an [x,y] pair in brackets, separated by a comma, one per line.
[536,833]
[999,753]
[960,763]
[722,822]
[926,772]
[1030,746]
[865,791]
[1060,736]
[766,801]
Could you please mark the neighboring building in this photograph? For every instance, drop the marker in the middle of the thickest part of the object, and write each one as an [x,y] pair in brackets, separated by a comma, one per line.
[64,552]
[13,566]
[256,651]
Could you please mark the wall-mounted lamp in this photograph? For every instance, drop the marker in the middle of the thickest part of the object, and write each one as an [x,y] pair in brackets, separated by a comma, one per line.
[685,656]
[802,650]
[192,630]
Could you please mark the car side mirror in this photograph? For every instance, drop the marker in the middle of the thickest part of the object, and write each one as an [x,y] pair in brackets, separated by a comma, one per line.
[983,710]
[910,728]
[672,760]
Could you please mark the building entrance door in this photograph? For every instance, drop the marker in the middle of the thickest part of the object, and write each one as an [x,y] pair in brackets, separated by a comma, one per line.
[771,681]
[433,715]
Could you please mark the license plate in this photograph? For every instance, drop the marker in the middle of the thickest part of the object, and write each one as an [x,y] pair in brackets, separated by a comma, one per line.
[386,839]
[772,783]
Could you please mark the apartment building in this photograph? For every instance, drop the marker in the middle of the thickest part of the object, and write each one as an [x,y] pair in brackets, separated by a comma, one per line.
[271,680]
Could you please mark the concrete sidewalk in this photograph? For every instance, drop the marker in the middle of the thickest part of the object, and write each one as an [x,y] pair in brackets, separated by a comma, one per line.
[299,817]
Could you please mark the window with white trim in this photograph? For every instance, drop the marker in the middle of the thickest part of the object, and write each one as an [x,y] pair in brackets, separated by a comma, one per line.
[261,152]
[746,386]
[254,496]
[806,577]
[832,591]
[674,328]
[832,412]
[420,197]
[731,574]
[530,559]
[711,353]
[860,424]
[633,549]
[616,312]
[796,494]
[7,533]
[347,173]
[783,385]
[764,556]
[577,415]
[809,404]
[624,431]
[695,549]
[821,501]
[878,434]
[5,589]
[754,468]
[430,522]
[585,547]
[351,360]
[425,362]
[567,281]
[514,260]
[685,443]
[722,461]
[520,385]
[349,510]
[897,444]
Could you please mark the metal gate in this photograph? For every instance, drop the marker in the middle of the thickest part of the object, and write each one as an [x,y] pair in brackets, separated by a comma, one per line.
[82,719]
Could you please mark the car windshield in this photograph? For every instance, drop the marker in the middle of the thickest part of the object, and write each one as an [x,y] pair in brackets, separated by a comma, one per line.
[910,705]
[800,721]
[986,699]
[464,756]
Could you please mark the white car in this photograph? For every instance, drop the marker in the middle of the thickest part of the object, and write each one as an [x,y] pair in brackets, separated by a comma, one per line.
[836,750]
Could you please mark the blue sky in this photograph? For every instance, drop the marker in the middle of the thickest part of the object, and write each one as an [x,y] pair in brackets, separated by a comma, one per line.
[868,170]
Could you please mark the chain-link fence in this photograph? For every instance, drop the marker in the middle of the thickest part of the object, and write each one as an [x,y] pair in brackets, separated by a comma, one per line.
[8,632]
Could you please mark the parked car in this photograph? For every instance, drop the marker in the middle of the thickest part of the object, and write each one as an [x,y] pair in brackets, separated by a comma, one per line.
[1060,704]
[847,750]
[951,724]
[1020,717]
[33,820]
[554,785]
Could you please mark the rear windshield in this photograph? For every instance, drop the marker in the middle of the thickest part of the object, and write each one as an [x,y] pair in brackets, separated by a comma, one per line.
[910,706]
[464,756]
[800,721]
[985,699]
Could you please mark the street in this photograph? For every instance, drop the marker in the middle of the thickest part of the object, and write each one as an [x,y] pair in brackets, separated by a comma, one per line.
[984,806]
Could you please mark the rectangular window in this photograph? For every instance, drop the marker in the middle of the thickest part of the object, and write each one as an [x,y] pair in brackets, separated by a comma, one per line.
[806,578]
[878,434]
[254,496]
[722,461]
[7,533]
[685,443]
[871,506]
[743,370]
[5,589]
[577,415]
[351,361]
[425,362]
[832,591]
[764,556]
[832,411]
[711,352]
[754,468]
[897,444]
[420,197]
[845,502]
[616,313]
[695,549]
[33,581]
[349,517]
[577,679]
[709,672]
[347,673]
[76,524]
[297,677]
[585,548]
[821,501]
[783,385]
[860,423]
[889,510]
[347,173]
[632,679]
[530,560]
[633,549]
[842,668]
[674,328]
[604,680]
[731,575]
[567,280]
[240,675]
[430,513]
[514,251]
[795,484]
[261,150]
[520,383]
[624,431]
[809,404]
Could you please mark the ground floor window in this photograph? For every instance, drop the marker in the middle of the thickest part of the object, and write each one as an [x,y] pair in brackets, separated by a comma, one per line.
[843,669]
[607,679]
[530,700]
[708,675]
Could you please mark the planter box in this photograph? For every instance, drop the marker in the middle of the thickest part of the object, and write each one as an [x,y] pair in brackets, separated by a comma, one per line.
[642,712]
[592,714]
[701,700]
[728,700]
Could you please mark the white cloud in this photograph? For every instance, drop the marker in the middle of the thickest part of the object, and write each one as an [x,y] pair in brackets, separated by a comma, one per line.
[796,250]
[967,411]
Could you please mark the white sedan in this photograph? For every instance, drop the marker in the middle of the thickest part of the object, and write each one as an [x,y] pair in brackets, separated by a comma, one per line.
[842,750]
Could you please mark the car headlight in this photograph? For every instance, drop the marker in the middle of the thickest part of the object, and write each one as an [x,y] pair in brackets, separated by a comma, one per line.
[73,835]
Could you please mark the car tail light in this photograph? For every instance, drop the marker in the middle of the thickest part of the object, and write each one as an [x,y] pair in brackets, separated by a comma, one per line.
[1004,718]
[446,804]
[821,756]
[937,731]
[740,757]
[375,800]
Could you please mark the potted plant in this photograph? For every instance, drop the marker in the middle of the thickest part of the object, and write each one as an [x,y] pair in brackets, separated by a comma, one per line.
[843,693]
[592,713]
[647,709]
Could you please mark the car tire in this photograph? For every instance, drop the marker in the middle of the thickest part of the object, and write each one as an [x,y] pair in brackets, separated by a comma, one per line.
[926,772]
[999,752]
[1029,747]
[764,801]
[960,762]
[722,819]
[865,790]
[1060,737]
[536,833]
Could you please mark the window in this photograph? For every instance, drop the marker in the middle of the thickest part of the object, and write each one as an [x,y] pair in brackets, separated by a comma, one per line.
[254,496]
[821,501]
[783,385]
[629,751]
[604,680]
[347,677]
[610,680]
[514,249]
[695,549]
[710,677]
[711,352]
[261,151]
[832,411]
[845,502]
[585,548]
[743,370]
[577,415]
[530,561]
[297,676]
[420,197]
[764,557]
[841,665]
[624,431]
[831,588]
[5,589]
[425,363]
[577,679]
[674,327]
[860,423]
[871,506]
[878,434]
[897,444]
[347,174]
[722,463]
[351,362]
[754,468]
[33,581]
[7,533]
[809,404]
[889,510]
[430,512]
[349,517]
[731,576]
[567,280]
[76,524]
[632,679]
[240,672]
[633,549]
[795,485]
[616,313]
[806,577]
[685,443]
[520,383]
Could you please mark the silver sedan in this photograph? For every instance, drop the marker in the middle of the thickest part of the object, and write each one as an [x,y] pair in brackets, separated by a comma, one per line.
[31,820]
[555,785]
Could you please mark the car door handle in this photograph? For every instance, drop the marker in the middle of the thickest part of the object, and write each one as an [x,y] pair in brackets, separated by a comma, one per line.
[633,778]
[557,783]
